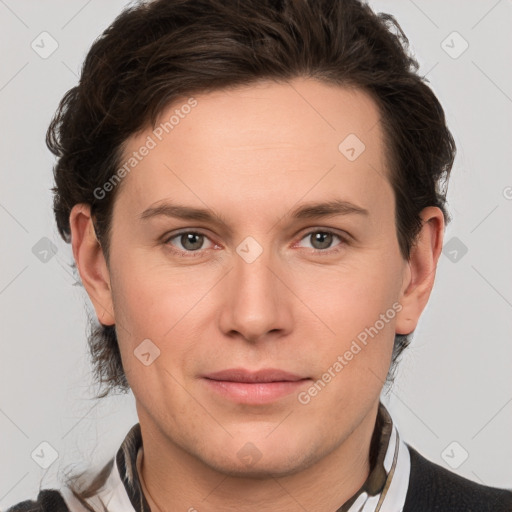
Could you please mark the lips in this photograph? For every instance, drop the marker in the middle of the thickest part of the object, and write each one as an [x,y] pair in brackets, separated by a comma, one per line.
[254,387]
[250,377]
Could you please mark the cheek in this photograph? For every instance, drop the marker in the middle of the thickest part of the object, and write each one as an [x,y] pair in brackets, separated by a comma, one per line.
[353,358]
[154,333]
[358,302]
[352,296]
[152,296]
[156,304]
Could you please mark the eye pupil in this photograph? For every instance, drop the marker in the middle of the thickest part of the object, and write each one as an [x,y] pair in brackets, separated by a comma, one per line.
[321,240]
[192,241]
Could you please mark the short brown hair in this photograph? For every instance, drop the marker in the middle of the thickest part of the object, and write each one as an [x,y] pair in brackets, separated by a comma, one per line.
[159,51]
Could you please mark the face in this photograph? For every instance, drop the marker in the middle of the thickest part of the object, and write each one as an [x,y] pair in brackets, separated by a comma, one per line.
[255,274]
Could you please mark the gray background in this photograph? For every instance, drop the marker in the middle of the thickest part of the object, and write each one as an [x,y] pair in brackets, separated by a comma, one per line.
[454,384]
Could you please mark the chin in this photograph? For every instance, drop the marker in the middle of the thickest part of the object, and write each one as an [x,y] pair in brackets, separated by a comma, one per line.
[250,462]
[260,471]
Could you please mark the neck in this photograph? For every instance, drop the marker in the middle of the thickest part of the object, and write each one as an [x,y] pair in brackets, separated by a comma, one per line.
[173,479]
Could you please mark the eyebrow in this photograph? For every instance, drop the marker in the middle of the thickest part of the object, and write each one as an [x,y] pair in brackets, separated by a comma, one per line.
[306,211]
[328,209]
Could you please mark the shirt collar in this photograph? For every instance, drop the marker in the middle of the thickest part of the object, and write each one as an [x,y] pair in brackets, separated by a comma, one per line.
[386,486]
[384,490]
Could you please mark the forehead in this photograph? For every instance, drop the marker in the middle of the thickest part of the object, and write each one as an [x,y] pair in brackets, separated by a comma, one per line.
[246,141]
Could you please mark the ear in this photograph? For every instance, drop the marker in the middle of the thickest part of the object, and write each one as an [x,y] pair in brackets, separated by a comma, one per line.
[91,262]
[421,270]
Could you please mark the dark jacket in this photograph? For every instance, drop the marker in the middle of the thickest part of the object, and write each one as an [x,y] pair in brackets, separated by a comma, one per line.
[435,489]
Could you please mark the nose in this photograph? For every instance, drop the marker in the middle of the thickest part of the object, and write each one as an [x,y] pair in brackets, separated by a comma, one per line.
[257,303]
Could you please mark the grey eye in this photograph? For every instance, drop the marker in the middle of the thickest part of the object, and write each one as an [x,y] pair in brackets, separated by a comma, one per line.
[191,241]
[321,239]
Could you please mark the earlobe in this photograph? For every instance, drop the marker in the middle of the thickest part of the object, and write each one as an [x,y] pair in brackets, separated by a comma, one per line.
[420,270]
[90,262]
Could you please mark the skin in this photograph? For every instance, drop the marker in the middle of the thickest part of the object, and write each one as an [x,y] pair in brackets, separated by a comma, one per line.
[253,154]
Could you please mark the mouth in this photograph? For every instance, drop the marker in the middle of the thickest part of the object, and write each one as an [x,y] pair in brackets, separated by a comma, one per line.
[254,387]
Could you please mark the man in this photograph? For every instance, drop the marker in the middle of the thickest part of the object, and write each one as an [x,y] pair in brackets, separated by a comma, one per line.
[252,193]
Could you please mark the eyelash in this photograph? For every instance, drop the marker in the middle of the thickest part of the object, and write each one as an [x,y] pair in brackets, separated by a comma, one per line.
[194,254]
